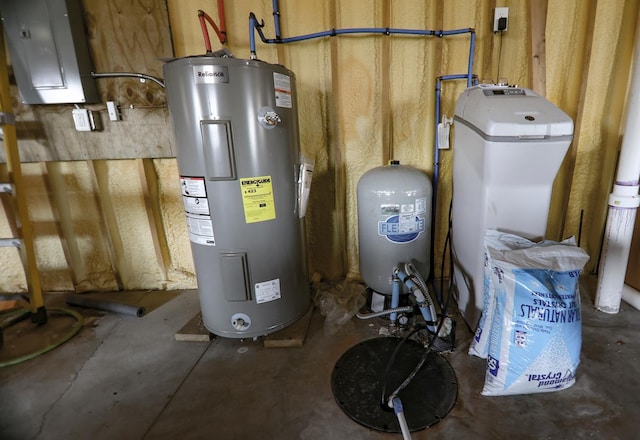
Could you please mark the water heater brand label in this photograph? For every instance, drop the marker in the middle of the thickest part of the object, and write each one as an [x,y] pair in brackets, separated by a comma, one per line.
[403,228]
[257,199]
[210,74]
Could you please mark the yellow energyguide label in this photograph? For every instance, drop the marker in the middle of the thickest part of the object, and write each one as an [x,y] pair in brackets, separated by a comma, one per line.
[257,199]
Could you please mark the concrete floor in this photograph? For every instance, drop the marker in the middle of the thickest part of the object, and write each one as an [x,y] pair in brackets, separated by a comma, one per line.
[128,378]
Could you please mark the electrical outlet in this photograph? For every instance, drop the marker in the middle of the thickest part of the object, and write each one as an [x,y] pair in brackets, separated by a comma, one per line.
[86,120]
[114,111]
[81,119]
[500,19]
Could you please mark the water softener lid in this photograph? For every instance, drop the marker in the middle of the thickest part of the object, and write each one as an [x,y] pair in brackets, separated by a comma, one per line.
[495,111]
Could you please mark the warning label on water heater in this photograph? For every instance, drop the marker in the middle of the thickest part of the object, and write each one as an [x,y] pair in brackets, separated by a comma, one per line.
[196,207]
[282,86]
[257,199]
[201,229]
[193,186]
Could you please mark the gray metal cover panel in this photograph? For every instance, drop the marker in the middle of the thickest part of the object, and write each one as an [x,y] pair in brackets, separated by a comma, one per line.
[49,51]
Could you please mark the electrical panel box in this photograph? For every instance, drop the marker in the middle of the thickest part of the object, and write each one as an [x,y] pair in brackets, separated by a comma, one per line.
[49,52]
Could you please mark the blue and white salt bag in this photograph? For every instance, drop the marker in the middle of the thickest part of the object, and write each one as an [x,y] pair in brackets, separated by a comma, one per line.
[497,240]
[536,332]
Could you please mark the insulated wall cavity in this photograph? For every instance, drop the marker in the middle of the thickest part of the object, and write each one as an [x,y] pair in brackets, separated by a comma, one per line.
[236,129]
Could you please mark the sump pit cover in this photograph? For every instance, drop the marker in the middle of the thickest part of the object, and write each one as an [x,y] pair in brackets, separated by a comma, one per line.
[358,377]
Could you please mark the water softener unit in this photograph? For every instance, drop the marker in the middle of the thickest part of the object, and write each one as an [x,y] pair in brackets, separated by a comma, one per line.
[509,145]
[236,128]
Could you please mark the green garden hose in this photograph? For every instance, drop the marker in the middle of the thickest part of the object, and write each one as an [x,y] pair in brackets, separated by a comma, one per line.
[15,316]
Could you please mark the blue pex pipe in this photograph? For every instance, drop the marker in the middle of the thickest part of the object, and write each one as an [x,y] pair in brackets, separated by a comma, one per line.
[472,48]
[441,33]
[396,287]
[254,26]
[276,18]
[426,314]
[436,153]
[437,117]
[334,32]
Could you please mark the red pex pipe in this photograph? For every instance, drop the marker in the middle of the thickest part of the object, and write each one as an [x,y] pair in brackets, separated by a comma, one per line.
[221,37]
[205,32]
[222,20]
[203,17]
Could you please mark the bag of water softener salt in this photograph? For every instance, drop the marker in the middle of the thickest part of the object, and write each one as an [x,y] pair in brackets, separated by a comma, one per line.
[497,240]
[536,332]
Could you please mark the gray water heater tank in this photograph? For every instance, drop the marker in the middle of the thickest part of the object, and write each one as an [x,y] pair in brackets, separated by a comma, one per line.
[236,128]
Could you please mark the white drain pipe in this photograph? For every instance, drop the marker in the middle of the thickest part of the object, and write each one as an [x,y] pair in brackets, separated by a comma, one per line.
[623,204]
[631,296]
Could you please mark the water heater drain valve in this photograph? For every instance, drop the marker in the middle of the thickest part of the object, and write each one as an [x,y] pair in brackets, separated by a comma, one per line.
[240,321]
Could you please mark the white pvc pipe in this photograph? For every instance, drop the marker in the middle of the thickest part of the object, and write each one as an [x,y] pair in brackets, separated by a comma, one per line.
[623,203]
[615,256]
[631,296]
[404,428]
[399,411]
